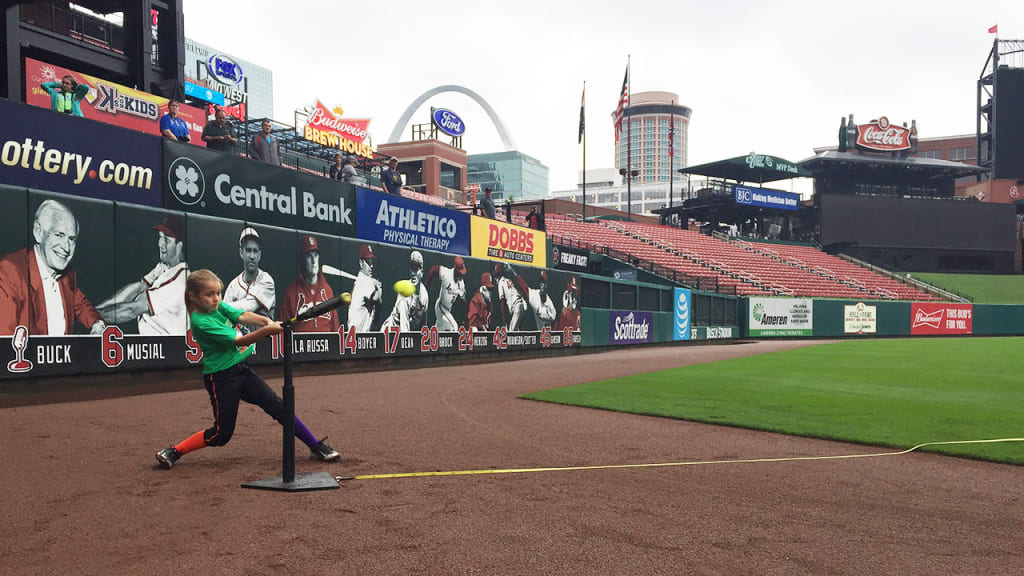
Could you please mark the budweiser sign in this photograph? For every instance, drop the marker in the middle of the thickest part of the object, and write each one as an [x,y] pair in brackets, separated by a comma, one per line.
[324,120]
[882,136]
[941,318]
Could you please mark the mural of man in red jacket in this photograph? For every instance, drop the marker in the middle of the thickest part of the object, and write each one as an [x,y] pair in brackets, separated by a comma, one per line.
[38,286]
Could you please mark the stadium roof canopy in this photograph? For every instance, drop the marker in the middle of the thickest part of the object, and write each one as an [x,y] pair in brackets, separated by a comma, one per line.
[918,168]
[750,168]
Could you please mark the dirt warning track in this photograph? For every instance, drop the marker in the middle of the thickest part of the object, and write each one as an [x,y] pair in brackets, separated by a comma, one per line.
[82,493]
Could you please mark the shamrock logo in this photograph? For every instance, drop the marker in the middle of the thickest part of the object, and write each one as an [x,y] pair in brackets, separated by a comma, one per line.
[187,181]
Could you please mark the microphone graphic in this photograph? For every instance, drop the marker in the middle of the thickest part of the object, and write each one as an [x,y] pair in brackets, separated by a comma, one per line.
[19,342]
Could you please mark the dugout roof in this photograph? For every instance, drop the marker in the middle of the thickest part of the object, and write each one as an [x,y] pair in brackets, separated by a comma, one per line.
[750,168]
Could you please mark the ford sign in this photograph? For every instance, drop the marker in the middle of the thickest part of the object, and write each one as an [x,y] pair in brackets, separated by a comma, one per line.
[224,69]
[449,122]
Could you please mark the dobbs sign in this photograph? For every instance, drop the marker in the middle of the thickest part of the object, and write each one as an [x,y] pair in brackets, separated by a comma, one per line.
[506,242]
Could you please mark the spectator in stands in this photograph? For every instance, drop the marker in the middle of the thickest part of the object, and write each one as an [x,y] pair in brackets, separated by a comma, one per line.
[66,95]
[220,134]
[390,177]
[335,170]
[265,147]
[531,218]
[172,126]
[348,173]
[487,203]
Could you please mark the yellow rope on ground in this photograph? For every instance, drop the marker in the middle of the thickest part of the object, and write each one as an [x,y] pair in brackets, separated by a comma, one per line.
[665,464]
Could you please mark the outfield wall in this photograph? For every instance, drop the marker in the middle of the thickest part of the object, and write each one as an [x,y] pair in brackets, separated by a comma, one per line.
[808,317]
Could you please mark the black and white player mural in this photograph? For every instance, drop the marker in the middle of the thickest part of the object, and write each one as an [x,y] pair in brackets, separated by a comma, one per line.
[92,286]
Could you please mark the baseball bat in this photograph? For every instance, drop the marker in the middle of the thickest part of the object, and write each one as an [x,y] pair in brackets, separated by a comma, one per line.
[332,271]
[321,308]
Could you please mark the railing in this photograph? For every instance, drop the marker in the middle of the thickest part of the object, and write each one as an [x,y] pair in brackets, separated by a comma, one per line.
[929,288]
[48,15]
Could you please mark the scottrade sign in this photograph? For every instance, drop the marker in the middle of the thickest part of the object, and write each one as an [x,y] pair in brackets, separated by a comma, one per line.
[630,327]
[49,151]
[506,242]
[765,198]
[396,220]
[218,184]
[681,314]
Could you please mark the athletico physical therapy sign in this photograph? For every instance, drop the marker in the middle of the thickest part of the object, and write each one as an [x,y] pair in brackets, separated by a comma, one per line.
[396,220]
[941,318]
[506,242]
[49,151]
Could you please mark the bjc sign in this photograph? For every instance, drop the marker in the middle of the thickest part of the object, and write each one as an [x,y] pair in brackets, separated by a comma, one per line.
[941,318]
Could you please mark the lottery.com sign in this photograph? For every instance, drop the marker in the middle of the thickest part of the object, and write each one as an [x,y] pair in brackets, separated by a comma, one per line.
[109,102]
[506,242]
[942,318]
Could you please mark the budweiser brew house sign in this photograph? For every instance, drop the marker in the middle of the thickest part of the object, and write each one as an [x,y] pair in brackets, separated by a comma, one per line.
[881,136]
[329,129]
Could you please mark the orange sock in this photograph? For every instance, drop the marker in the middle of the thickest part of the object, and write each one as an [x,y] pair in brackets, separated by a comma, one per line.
[192,443]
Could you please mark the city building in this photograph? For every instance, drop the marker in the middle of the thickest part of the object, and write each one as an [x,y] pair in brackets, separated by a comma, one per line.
[134,44]
[246,90]
[509,174]
[431,167]
[651,115]
[607,189]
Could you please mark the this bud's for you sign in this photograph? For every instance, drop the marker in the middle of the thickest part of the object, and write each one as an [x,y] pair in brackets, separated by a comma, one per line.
[507,242]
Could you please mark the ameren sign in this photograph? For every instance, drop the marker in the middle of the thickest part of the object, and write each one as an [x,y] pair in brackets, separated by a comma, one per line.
[781,317]
[506,242]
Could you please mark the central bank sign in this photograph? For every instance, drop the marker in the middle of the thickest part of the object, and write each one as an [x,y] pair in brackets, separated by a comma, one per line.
[217,184]
[780,317]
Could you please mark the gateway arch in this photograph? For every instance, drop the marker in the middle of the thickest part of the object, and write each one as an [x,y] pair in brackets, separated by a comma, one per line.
[506,138]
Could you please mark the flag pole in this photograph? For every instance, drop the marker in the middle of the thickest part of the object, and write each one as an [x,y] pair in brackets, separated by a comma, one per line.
[629,144]
[583,133]
[671,150]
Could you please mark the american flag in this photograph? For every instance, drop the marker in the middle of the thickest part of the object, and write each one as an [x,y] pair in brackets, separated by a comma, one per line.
[623,102]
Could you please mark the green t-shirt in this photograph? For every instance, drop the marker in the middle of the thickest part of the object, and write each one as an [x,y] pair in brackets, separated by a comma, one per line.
[215,333]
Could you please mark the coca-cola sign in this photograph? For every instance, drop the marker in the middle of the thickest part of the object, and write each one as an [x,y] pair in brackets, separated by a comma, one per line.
[449,122]
[352,129]
[882,136]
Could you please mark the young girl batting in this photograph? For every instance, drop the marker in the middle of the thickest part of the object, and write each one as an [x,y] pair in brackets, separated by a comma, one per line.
[226,375]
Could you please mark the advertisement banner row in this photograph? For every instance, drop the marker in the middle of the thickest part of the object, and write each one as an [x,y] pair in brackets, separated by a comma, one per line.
[795,317]
[90,285]
[42,150]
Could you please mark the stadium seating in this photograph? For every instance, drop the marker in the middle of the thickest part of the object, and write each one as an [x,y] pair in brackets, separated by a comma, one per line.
[747,267]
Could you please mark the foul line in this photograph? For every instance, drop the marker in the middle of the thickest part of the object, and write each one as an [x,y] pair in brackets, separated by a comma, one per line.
[665,464]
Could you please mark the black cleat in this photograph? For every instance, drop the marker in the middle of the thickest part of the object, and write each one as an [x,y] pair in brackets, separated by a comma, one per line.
[168,456]
[324,452]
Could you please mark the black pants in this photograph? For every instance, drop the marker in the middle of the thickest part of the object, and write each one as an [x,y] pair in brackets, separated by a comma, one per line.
[229,386]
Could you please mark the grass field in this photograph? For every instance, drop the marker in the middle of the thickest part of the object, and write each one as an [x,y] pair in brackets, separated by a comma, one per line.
[895,393]
[981,288]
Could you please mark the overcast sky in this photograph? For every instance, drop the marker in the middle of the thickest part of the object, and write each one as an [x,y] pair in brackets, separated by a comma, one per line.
[771,77]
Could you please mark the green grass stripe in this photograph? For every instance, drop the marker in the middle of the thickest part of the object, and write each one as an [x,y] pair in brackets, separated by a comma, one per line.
[980,288]
[894,393]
